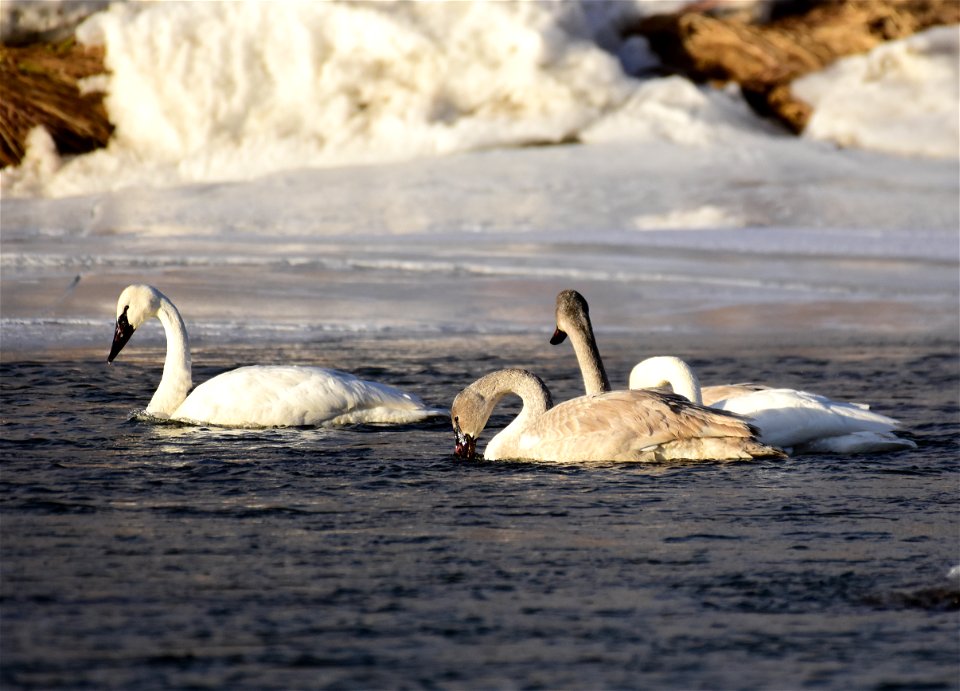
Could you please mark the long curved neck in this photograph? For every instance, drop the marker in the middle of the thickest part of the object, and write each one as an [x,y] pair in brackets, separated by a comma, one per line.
[588,357]
[176,381]
[529,387]
[531,390]
[663,371]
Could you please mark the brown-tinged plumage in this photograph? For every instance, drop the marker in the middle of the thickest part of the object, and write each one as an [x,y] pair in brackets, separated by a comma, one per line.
[573,320]
[639,426]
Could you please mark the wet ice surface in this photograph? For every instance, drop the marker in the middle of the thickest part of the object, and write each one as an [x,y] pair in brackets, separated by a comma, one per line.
[783,237]
[138,554]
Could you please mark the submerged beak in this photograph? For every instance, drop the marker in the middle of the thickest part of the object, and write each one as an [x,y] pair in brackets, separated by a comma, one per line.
[120,336]
[466,447]
[558,336]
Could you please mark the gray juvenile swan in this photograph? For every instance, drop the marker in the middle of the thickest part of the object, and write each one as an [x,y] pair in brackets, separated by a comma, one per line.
[573,320]
[800,421]
[642,426]
[255,396]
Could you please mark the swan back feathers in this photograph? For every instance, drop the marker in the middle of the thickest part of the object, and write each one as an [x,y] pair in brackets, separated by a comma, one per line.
[611,426]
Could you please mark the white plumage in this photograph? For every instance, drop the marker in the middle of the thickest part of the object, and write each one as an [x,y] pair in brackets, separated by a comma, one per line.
[789,418]
[256,396]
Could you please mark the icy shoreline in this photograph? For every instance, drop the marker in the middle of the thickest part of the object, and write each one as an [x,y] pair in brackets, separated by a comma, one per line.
[834,242]
[680,211]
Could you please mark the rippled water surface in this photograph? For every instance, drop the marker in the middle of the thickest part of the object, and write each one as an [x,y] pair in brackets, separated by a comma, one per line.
[138,555]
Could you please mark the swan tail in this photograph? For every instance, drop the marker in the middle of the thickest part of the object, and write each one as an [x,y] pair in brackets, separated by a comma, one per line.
[718,449]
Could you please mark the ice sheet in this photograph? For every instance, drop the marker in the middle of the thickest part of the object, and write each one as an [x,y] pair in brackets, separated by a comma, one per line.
[790,238]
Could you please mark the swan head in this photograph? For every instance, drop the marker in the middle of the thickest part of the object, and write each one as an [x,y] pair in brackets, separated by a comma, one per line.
[137,304]
[469,414]
[573,315]
[472,407]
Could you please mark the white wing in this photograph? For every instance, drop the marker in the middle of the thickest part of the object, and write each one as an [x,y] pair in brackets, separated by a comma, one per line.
[787,417]
[271,396]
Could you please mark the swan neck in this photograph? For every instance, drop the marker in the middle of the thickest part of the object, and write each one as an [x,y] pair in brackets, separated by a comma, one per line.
[176,381]
[536,401]
[588,356]
[534,394]
[685,383]
[665,370]
[531,390]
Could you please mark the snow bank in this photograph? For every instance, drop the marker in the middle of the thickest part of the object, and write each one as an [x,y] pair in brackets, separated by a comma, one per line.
[213,91]
[903,97]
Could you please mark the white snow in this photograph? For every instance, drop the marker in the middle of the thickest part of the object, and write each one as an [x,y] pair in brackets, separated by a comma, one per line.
[212,91]
[903,97]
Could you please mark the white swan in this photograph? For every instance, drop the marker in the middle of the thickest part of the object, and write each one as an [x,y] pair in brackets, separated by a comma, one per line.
[798,420]
[640,426]
[256,396]
[673,374]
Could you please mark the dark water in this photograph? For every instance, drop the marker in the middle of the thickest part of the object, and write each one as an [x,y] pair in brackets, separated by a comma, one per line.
[137,555]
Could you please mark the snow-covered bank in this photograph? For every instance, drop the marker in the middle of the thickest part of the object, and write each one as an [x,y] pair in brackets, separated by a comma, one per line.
[203,92]
[902,97]
[677,211]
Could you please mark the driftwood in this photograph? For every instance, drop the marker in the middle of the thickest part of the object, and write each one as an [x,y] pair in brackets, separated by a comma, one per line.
[38,86]
[765,57]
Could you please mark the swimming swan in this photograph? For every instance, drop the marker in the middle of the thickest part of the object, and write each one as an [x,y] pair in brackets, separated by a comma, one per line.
[255,396]
[799,420]
[640,426]
[787,418]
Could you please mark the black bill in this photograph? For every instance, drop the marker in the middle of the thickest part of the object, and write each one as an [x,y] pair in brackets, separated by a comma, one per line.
[466,447]
[120,336]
